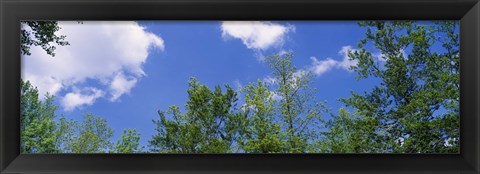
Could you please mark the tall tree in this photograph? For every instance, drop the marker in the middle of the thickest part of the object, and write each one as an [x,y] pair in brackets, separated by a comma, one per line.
[298,106]
[263,133]
[348,133]
[92,135]
[37,122]
[416,103]
[65,134]
[206,127]
[40,33]
[40,133]
[128,143]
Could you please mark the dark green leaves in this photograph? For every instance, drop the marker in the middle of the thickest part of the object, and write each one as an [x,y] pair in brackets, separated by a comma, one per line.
[37,122]
[40,33]
[206,127]
[128,143]
[416,84]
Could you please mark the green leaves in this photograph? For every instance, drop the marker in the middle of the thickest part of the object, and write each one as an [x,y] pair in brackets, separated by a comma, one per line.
[416,83]
[206,127]
[40,133]
[271,119]
[262,132]
[40,33]
[414,108]
[298,107]
[349,133]
[128,143]
[92,136]
[37,122]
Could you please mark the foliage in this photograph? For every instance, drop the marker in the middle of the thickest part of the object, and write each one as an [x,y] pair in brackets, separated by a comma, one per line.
[263,133]
[414,108]
[66,134]
[92,135]
[349,133]
[298,107]
[40,133]
[36,121]
[416,83]
[128,143]
[206,127]
[40,33]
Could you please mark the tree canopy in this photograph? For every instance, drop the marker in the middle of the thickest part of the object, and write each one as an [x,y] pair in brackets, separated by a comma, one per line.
[415,83]
[207,126]
[40,33]
[414,108]
[128,143]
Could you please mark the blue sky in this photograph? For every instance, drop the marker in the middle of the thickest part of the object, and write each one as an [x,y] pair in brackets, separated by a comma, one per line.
[126,71]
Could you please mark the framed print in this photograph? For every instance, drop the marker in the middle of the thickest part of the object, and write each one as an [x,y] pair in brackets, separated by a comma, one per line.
[239,86]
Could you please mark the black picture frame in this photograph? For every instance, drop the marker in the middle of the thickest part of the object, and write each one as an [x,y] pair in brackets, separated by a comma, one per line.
[13,11]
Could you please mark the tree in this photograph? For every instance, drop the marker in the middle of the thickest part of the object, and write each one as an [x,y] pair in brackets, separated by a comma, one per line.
[128,143]
[298,106]
[206,127]
[92,136]
[40,133]
[37,122]
[65,134]
[417,102]
[40,33]
[263,132]
[348,133]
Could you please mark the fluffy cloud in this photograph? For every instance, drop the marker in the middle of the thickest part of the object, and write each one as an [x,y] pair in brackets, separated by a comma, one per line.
[258,35]
[346,63]
[274,96]
[80,98]
[111,53]
[121,85]
[269,80]
[320,67]
[382,58]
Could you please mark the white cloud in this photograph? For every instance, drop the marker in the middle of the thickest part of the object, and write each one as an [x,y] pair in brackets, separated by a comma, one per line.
[259,35]
[321,66]
[121,85]
[79,98]
[269,80]
[283,52]
[274,96]
[246,107]
[98,51]
[346,63]
[380,57]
